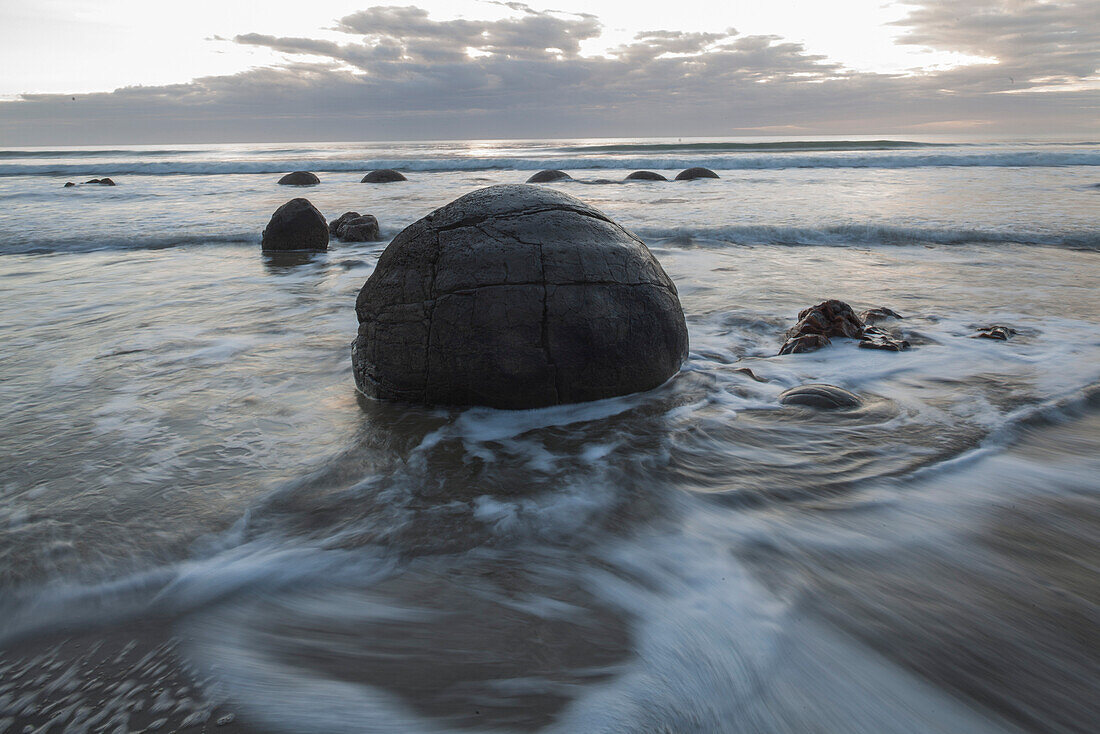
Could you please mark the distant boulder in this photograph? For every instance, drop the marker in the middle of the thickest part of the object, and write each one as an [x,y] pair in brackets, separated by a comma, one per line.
[383,175]
[822,397]
[296,225]
[549,175]
[999,333]
[645,176]
[299,178]
[101,181]
[691,174]
[68,184]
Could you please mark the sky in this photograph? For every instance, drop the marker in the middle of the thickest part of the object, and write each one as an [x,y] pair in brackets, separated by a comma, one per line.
[135,71]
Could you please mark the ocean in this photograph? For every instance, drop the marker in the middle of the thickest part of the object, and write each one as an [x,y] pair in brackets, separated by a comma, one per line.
[204,526]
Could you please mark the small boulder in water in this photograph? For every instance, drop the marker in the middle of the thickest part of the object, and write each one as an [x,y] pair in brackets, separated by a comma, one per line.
[68,184]
[101,181]
[299,178]
[516,297]
[690,174]
[1000,333]
[360,229]
[383,175]
[645,176]
[805,343]
[549,175]
[296,225]
[874,315]
[337,224]
[823,397]
[874,338]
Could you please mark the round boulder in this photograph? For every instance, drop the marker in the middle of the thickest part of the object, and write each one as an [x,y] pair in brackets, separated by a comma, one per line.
[645,176]
[516,297]
[299,178]
[296,225]
[690,174]
[383,175]
[548,176]
[360,229]
[823,397]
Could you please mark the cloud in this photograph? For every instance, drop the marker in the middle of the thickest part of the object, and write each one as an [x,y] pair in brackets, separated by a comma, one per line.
[399,73]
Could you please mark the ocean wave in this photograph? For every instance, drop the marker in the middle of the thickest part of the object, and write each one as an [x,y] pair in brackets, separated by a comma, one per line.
[866,234]
[907,159]
[782,145]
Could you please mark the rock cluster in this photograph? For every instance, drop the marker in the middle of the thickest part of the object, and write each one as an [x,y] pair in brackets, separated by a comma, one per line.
[355,227]
[296,225]
[516,297]
[834,318]
[299,178]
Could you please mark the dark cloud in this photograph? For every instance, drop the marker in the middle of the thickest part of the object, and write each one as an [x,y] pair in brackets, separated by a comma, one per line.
[402,74]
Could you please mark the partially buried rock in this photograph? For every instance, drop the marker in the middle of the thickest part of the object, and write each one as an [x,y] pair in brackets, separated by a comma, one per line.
[823,397]
[383,175]
[101,181]
[299,178]
[826,319]
[296,225]
[548,176]
[337,224]
[690,174]
[1000,333]
[645,176]
[68,184]
[874,338]
[516,297]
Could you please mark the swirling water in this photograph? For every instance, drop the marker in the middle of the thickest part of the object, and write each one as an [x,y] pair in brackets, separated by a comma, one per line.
[201,520]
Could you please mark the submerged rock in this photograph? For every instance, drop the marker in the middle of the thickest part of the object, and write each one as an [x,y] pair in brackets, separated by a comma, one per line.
[296,225]
[383,175]
[824,397]
[645,176]
[548,176]
[877,339]
[874,315]
[68,184]
[750,374]
[1000,333]
[299,178]
[516,296]
[805,343]
[690,174]
[101,181]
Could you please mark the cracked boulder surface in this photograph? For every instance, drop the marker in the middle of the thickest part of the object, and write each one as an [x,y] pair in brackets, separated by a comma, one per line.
[516,297]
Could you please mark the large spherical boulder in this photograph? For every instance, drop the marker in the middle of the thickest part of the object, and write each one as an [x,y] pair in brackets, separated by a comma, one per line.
[299,178]
[645,176]
[516,296]
[690,174]
[548,176]
[383,175]
[296,225]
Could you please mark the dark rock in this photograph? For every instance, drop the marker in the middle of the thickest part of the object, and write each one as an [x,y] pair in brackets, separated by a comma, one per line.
[68,184]
[296,225]
[383,175]
[516,297]
[337,224]
[828,318]
[360,229]
[101,181]
[299,178]
[1000,333]
[877,339]
[645,176]
[874,315]
[749,373]
[690,174]
[548,176]
[805,343]
[824,397]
